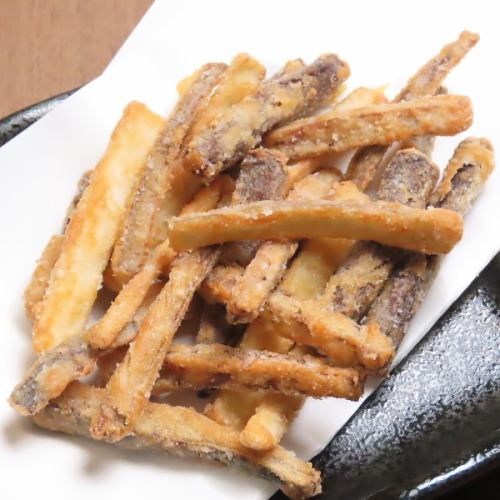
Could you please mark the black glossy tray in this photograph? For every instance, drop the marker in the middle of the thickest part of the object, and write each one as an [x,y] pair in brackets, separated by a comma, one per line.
[434,424]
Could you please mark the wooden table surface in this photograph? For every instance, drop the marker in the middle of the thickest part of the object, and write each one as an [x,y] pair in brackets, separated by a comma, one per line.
[50,46]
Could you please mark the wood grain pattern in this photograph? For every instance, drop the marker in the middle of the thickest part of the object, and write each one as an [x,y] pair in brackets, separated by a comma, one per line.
[50,46]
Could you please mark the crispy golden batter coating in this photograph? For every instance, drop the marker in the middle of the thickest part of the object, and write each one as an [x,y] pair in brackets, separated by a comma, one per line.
[183,432]
[471,151]
[374,124]
[34,292]
[240,128]
[130,385]
[426,81]
[388,223]
[93,229]
[217,365]
[140,231]
[76,357]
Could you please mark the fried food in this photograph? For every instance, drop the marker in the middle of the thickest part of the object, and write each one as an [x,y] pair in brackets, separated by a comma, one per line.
[130,385]
[152,194]
[425,82]
[430,76]
[33,295]
[388,223]
[409,179]
[471,151]
[375,124]
[465,176]
[327,278]
[268,266]
[76,357]
[241,79]
[183,432]
[240,128]
[217,365]
[212,327]
[263,176]
[78,271]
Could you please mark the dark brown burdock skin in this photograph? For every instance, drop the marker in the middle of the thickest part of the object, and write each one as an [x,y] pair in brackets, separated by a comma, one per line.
[404,291]
[409,179]
[289,95]
[263,176]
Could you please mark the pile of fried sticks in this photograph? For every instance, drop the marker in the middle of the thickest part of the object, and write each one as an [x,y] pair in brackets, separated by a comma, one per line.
[291,279]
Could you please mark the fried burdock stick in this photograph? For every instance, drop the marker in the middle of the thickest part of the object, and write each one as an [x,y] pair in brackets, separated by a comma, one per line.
[217,365]
[319,258]
[130,386]
[266,269]
[464,178]
[263,176]
[409,179]
[425,82]
[240,128]
[137,236]
[182,432]
[76,357]
[375,124]
[33,295]
[428,231]
[77,274]
[269,263]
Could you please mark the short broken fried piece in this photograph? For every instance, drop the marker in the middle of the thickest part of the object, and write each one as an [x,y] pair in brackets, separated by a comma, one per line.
[182,432]
[77,274]
[388,223]
[218,365]
[240,128]
[375,124]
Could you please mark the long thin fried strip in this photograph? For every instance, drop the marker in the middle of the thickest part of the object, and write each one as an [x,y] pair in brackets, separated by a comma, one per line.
[409,179]
[93,229]
[183,432]
[33,295]
[340,338]
[130,386]
[137,235]
[269,264]
[76,357]
[428,78]
[400,297]
[240,128]
[426,81]
[388,223]
[375,124]
[465,176]
[217,365]
[35,291]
